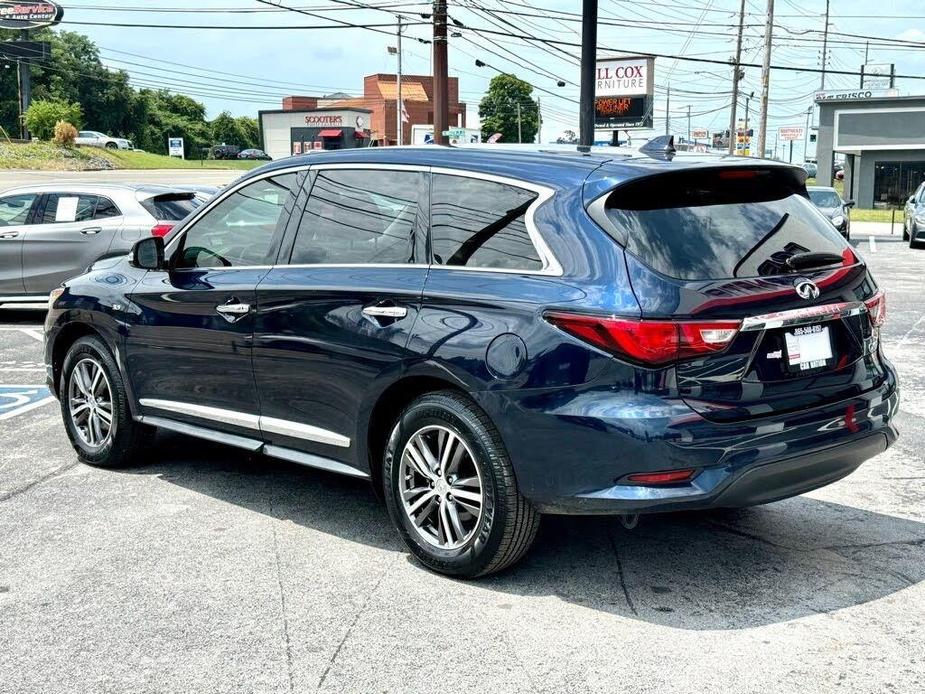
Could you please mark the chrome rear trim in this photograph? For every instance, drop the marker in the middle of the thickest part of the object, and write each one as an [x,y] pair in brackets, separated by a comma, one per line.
[803,316]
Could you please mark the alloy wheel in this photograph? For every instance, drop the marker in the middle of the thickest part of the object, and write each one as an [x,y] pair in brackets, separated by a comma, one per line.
[441,487]
[90,403]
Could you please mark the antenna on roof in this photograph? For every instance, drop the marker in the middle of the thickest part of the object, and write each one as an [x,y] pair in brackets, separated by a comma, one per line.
[661,147]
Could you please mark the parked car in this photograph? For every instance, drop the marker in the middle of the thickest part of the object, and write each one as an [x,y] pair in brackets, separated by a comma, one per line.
[258,154]
[52,231]
[225,152]
[489,335]
[914,218]
[94,138]
[811,169]
[831,204]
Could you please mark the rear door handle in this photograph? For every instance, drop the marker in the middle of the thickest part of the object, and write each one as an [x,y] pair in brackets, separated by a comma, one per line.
[233,311]
[89,231]
[9,235]
[385,311]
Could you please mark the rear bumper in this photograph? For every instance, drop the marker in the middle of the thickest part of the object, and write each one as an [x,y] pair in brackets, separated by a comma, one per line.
[574,458]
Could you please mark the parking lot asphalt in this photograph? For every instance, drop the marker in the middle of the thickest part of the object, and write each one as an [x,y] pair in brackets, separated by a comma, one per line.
[208,570]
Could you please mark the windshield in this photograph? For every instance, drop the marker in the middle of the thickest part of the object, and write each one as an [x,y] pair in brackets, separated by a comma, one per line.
[825,198]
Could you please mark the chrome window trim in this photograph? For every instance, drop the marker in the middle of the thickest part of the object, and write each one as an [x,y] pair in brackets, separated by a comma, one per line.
[803,316]
[244,420]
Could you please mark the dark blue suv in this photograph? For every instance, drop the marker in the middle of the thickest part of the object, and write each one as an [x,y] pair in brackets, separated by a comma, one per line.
[488,336]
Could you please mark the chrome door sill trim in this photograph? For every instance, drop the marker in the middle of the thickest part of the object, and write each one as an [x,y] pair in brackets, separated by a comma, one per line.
[201,432]
[315,461]
[283,427]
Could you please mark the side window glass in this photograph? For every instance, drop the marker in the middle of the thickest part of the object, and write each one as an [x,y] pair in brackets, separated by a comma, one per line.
[105,208]
[241,230]
[14,209]
[63,207]
[359,216]
[480,224]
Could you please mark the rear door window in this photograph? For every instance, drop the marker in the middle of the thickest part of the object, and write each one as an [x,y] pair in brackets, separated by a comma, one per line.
[61,208]
[717,224]
[481,224]
[14,209]
[171,207]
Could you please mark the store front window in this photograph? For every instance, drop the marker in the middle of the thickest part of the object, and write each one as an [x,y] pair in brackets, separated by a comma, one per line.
[895,181]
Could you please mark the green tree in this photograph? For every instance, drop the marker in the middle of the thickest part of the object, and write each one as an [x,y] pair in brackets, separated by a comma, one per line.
[42,116]
[251,131]
[498,110]
[227,130]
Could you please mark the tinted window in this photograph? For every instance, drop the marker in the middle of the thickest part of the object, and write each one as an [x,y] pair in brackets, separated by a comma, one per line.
[14,209]
[704,226]
[825,198]
[480,224]
[357,216]
[171,207]
[241,229]
[61,208]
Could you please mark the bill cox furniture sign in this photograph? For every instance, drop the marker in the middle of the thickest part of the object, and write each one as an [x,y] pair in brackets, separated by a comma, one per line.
[623,93]
[29,14]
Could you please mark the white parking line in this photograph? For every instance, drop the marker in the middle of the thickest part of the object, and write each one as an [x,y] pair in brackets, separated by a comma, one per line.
[34,333]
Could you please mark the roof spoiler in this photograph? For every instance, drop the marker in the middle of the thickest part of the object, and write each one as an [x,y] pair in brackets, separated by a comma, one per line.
[661,147]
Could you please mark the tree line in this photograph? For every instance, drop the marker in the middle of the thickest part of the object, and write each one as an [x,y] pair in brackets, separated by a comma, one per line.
[75,75]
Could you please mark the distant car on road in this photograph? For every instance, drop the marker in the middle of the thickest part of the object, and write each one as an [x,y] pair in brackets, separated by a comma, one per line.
[830,203]
[811,169]
[914,218]
[225,152]
[257,154]
[93,138]
[52,231]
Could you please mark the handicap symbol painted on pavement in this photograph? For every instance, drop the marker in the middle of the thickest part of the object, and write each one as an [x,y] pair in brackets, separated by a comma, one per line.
[17,399]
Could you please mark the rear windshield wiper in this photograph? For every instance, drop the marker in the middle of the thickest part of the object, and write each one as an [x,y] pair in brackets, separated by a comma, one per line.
[803,261]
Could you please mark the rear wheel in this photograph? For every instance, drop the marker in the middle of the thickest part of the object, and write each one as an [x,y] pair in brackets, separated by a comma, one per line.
[95,408]
[451,491]
[112,145]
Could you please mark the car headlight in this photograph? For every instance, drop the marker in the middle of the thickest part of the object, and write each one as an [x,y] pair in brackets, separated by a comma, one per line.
[53,297]
[919,217]
[838,220]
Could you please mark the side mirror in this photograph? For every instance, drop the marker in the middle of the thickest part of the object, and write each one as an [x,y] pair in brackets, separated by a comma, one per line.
[911,199]
[850,203]
[148,253]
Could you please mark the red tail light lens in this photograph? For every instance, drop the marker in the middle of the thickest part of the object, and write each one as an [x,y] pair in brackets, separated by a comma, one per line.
[876,308]
[648,342]
[161,229]
[666,477]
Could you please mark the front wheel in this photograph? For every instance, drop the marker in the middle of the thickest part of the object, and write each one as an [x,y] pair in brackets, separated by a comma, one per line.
[451,491]
[95,408]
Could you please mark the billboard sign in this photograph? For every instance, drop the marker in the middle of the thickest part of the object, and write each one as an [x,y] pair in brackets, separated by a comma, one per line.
[791,133]
[29,14]
[700,133]
[623,93]
[877,76]
[175,147]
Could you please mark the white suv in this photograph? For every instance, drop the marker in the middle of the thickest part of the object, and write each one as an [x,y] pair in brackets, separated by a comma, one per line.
[98,139]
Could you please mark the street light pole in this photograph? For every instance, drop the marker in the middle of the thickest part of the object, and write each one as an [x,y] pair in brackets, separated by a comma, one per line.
[735,82]
[766,82]
[399,140]
[441,75]
[588,73]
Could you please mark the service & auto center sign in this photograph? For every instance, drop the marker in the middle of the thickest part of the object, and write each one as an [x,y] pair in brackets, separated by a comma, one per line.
[29,14]
[623,93]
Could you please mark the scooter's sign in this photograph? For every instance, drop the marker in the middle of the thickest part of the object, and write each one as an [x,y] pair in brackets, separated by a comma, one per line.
[29,14]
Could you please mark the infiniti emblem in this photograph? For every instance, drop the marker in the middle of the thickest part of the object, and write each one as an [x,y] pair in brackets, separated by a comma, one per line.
[806,289]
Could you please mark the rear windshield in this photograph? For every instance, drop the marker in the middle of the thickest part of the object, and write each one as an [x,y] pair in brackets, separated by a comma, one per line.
[171,207]
[717,224]
[825,198]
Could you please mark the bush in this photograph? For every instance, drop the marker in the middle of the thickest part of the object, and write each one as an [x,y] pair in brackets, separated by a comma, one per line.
[65,134]
[43,115]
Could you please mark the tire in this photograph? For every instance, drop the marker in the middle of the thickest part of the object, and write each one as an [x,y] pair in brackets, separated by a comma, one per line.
[112,145]
[497,531]
[912,242]
[124,441]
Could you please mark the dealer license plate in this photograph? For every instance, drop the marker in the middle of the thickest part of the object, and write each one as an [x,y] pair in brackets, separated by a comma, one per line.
[809,347]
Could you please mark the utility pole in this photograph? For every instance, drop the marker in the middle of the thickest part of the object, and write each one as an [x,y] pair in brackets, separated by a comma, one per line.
[735,82]
[809,114]
[588,74]
[25,87]
[765,81]
[539,122]
[441,76]
[520,137]
[688,122]
[399,140]
[668,111]
[825,42]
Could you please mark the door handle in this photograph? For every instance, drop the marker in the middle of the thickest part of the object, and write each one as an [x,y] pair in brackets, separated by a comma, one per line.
[233,311]
[9,235]
[89,231]
[385,311]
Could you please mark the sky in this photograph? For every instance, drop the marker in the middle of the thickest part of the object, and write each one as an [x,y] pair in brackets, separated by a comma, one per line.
[242,71]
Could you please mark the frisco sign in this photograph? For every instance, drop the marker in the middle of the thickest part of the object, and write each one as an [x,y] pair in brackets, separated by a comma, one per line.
[29,14]
[862,94]
[623,90]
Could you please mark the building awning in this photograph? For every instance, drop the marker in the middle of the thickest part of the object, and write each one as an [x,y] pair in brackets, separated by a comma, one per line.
[330,133]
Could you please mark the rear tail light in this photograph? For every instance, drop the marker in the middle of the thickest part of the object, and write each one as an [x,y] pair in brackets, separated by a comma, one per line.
[161,229]
[648,342]
[666,477]
[876,308]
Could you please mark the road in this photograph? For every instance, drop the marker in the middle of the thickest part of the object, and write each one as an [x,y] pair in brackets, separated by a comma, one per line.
[216,177]
[207,570]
